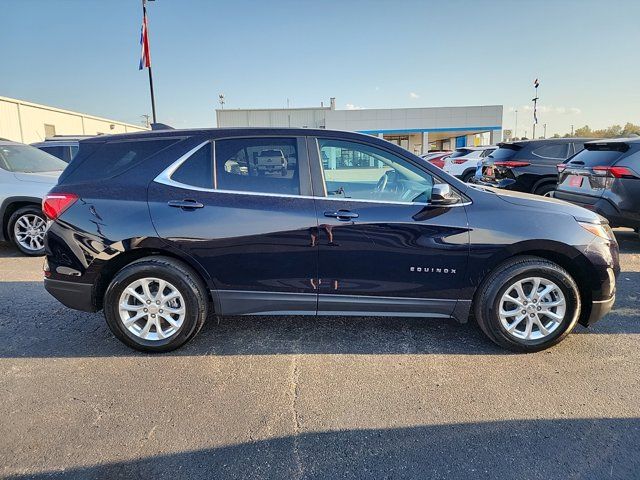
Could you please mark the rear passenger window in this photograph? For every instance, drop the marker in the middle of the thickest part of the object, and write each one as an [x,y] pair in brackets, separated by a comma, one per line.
[552,152]
[262,165]
[197,170]
[115,157]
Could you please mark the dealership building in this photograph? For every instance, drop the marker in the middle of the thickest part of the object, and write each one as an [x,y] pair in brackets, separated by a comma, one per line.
[29,122]
[416,129]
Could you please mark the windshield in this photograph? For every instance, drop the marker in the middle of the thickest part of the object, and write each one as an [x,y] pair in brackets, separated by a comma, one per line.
[27,159]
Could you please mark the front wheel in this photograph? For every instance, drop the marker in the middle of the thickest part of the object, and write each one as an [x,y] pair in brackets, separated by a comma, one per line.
[466,178]
[155,304]
[27,226]
[527,304]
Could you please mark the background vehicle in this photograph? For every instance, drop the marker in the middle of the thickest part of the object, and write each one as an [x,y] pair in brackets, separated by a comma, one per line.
[605,178]
[437,158]
[530,165]
[63,147]
[26,175]
[269,161]
[463,162]
[374,231]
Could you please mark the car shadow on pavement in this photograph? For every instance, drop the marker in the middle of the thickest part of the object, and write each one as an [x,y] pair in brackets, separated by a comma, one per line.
[516,449]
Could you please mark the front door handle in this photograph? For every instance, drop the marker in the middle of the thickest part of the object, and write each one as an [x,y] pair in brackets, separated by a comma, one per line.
[185,204]
[343,215]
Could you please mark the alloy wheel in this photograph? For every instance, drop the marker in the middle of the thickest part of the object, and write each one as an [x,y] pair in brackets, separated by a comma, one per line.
[28,231]
[152,309]
[532,308]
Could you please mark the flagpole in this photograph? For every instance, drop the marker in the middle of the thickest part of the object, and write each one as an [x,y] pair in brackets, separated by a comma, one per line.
[535,104]
[153,100]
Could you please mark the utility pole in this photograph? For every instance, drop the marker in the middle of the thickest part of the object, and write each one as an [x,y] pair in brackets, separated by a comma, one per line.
[544,125]
[516,129]
[146,120]
[221,100]
[572,130]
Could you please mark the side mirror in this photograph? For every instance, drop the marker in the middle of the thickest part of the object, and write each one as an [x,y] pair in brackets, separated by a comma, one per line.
[441,195]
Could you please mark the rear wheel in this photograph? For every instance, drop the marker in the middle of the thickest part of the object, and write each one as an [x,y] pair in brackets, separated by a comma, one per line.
[545,190]
[27,226]
[155,304]
[468,176]
[527,304]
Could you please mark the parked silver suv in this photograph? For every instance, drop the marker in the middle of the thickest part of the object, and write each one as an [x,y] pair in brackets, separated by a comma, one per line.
[26,175]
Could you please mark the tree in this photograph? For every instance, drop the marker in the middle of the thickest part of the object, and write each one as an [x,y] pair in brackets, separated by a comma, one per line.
[609,132]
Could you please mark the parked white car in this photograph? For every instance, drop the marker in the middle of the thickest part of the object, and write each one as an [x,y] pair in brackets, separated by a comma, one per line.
[26,175]
[463,162]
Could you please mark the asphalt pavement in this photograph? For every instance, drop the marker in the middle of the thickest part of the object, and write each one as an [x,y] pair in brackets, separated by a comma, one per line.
[292,398]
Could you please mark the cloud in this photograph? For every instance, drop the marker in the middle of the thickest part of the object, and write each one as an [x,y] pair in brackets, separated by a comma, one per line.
[414,95]
[377,89]
[351,106]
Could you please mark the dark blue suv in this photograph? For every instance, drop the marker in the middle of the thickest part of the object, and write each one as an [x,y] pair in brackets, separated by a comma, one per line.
[163,229]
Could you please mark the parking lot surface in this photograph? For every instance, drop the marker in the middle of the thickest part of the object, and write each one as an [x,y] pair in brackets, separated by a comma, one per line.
[313,398]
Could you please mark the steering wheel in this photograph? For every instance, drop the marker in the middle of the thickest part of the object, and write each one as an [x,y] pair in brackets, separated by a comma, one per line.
[383,183]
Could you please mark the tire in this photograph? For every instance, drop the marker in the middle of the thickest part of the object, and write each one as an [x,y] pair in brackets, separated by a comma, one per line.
[26,229]
[545,190]
[193,300]
[467,176]
[499,282]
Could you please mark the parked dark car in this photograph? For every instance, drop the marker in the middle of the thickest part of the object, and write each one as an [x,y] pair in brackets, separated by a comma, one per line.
[162,229]
[605,178]
[63,147]
[528,166]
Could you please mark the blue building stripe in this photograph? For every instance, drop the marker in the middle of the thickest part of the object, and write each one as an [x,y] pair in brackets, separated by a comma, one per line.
[423,130]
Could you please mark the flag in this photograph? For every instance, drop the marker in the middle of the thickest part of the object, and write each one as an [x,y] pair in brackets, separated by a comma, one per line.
[536,83]
[145,54]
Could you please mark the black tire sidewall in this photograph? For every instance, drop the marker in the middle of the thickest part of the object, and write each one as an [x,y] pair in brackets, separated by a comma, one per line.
[544,189]
[503,281]
[185,285]
[30,210]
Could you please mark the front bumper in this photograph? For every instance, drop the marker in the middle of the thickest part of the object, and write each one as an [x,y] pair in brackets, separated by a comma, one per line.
[78,296]
[598,310]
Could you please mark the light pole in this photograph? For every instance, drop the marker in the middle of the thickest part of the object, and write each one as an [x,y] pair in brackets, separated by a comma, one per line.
[572,130]
[544,125]
[221,100]
[516,129]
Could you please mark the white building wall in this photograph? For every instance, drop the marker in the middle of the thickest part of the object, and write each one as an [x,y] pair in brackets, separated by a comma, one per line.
[288,117]
[25,122]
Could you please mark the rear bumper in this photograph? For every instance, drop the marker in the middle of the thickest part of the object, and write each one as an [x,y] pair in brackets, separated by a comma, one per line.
[78,296]
[598,310]
[601,206]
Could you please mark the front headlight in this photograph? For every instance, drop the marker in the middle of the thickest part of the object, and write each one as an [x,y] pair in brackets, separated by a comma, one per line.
[599,230]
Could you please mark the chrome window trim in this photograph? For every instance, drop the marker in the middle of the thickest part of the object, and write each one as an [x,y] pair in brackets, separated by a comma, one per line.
[165,178]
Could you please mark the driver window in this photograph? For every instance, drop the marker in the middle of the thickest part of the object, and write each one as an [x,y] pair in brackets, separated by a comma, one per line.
[359,171]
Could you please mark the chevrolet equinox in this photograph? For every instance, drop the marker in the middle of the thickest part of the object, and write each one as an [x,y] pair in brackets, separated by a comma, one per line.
[163,229]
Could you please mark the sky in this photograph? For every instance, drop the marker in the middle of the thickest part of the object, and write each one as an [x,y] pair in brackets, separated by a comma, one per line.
[83,55]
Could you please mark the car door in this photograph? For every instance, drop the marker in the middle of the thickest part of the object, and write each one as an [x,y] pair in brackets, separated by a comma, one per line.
[384,247]
[250,229]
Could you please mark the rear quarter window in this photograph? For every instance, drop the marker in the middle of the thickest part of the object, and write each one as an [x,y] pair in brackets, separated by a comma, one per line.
[112,158]
[552,152]
[503,153]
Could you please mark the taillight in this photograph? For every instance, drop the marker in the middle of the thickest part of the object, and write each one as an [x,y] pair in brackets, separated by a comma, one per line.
[616,172]
[561,167]
[459,161]
[54,204]
[511,164]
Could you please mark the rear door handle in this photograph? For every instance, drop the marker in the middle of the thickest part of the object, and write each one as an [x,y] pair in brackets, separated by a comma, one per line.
[185,204]
[343,215]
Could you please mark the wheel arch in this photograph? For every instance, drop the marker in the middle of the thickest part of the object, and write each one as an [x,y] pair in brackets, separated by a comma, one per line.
[9,206]
[546,180]
[566,256]
[112,266]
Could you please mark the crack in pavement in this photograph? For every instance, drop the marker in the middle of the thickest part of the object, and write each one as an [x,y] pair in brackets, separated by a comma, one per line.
[294,378]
